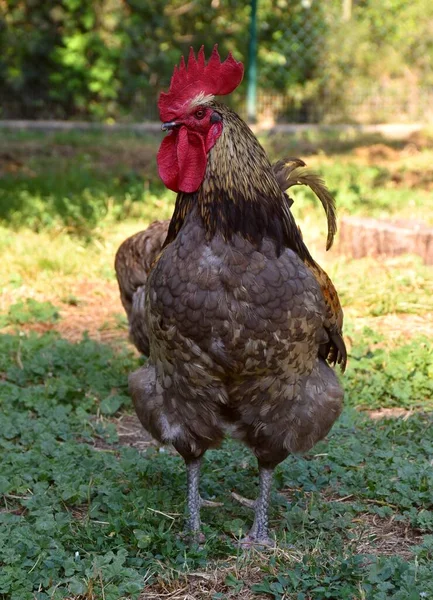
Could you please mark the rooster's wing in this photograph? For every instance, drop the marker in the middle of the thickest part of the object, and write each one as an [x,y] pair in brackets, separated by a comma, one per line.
[133,262]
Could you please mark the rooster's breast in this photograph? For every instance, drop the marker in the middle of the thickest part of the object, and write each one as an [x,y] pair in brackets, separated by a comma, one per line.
[230,309]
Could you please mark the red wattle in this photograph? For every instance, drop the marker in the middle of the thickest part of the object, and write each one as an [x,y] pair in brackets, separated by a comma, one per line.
[168,167]
[182,160]
[191,156]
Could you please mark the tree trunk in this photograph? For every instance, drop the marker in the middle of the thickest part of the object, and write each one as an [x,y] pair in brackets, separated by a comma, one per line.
[370,237]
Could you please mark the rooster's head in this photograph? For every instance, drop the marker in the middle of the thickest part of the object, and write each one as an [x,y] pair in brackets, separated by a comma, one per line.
[188,114]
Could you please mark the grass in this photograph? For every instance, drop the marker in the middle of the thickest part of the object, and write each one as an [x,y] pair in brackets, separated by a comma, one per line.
[78,183]
[90,508]
[30,311]
[83,514]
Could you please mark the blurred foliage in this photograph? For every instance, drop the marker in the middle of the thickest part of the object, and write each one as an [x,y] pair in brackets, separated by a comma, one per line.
[30,311]
[383,45]
[109,58]
[102,58]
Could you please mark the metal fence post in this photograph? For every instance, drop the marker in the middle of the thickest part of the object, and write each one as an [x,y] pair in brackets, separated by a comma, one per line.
[252,66]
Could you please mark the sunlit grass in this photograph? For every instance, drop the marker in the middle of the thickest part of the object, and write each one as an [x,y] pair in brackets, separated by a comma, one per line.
[393,285]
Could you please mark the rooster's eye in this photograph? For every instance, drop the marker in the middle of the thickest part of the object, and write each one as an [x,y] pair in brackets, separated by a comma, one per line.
[199,113]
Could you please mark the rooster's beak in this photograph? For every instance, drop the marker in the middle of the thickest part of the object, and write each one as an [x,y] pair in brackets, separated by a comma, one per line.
[169,125]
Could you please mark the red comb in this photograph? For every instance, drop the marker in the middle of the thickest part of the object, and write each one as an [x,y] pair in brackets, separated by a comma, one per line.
[216,78]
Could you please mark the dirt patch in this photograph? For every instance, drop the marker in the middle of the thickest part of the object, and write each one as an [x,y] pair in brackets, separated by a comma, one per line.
[412,179]
[384,153]
[14,160]
[377,153]
[385,537]
[93,308]
[374,534]
[131,433]
[391,157]
[98,312]
[11,505]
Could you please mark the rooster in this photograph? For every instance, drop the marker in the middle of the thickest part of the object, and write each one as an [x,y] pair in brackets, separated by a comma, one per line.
[240,331]
[136,254]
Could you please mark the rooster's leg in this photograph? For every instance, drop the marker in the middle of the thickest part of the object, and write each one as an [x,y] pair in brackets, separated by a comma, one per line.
[195,501]
[258,535]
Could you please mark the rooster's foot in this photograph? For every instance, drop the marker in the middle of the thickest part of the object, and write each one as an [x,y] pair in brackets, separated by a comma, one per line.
[263,542]
[192,538]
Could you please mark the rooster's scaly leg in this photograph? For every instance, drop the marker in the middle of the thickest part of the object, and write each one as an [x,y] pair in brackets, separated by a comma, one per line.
[193,497]
[259,535]
[195,501]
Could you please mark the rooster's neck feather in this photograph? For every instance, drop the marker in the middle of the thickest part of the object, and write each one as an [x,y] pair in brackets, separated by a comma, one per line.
[240,194]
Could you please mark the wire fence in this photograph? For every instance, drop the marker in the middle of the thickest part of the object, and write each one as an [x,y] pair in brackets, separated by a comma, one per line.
[389,102]
[350,61]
